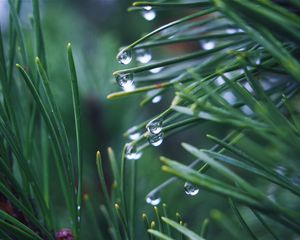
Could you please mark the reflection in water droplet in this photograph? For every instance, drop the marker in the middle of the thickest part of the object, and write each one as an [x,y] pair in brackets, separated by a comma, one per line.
[124,57]
[208,45]
[156,139]
[153,199]
[156,99]
[134,134]
[156,70]
[148,13]
[143,55]
[190,189]
[154,126]
[125,80]
[131,152]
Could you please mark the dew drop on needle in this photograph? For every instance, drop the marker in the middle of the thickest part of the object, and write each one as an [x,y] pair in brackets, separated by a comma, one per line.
[154,126]
[149,14]
[153,199]
[124,57]
[190,189]
[125,80]
[131,152]
[156,139]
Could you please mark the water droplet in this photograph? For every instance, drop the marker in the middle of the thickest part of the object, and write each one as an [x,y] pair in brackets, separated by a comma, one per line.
[156,139]
[208,45]
[143,55]
[190,189]
[131,152]
[124,57]
[134,134]
[125,80]
[78,208]
[154,126]
[149,14]
[156,99]
[156,70]
[153,199]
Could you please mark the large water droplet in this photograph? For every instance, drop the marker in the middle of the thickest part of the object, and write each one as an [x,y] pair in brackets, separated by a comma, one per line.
[154,126]
[156,139]
[124,57]
[153,199]
[190,189]
[131,152]
[125,80]
[149,14]
[143,55]
[208,45]
[134,134]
